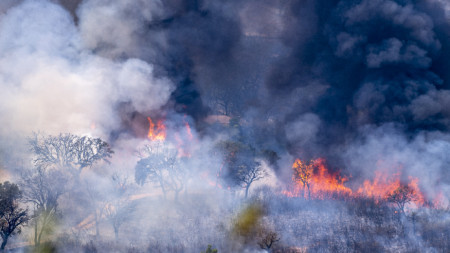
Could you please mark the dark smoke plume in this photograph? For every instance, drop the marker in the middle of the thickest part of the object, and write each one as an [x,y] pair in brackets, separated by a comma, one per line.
[364,84]
[309,78]
[381,61]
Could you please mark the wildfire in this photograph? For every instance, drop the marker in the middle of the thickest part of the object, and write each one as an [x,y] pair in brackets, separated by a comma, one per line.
[384,185]
[158,132]
[314,180]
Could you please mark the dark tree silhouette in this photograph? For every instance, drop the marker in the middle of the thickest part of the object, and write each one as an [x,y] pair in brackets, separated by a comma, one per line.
[58,160]
[267,240]
[68,151]
[160,164]
[249,172]
[243,166]
[12,217]
[401,196]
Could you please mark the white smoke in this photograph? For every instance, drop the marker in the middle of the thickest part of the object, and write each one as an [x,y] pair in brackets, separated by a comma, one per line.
[386,149]
[51,82]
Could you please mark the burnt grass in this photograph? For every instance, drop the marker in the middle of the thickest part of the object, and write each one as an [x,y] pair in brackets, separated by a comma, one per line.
[360,225]
[343,225]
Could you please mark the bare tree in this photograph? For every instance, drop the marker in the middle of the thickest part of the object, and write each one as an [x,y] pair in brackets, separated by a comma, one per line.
[119,206]
[249,172]
[160,164]
[241,161]
[153,169]
[401,196]
[43,188]
[68,151]
[176,177]
[12,217]
[267,240]
[98,203]
[57,159]
[303,172]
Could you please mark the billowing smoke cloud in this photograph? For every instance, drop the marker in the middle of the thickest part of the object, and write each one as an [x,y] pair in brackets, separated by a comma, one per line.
[377,57]
[364,84]
[182,39]
[381,65]
[52,82]
[309,79]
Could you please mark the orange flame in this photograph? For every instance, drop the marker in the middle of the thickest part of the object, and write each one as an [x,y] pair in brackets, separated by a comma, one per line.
[380,186]
[384,185]
[315,180]
[325,182]
[158,132]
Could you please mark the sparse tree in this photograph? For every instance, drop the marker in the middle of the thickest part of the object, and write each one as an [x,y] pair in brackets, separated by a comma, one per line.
[248,173]
[68,151]
[303,172]
[401,196]
[161,165]
[12,217]
[267,240]
[177,178]
[97,200]
[57,160]
[242,163]
[119,206]
[117,213]
[43,188]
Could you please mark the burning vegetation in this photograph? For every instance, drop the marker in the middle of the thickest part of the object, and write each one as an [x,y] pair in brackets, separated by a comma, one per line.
[156,132]
[313,180]
[187,126]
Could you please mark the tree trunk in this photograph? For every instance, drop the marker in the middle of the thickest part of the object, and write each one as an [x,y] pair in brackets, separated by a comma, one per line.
[246,190]
[309,192]
[36,232]
[40,235]
[44,224]
[5,241]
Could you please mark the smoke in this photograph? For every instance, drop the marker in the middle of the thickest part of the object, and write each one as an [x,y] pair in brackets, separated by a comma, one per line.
[386,149]
[52,82]
[309,79]
[380,63]
[182,39]
[364,84]
[376,56]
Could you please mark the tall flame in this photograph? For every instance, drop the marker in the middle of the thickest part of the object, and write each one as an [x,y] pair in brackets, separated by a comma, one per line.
[314,180]
[384,185]
[158,132]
